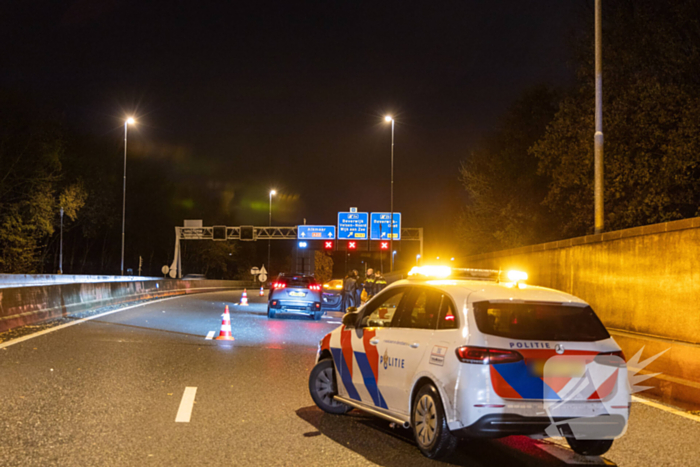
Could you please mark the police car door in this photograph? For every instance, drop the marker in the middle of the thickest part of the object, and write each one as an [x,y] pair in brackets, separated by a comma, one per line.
[362,341]
[402,347]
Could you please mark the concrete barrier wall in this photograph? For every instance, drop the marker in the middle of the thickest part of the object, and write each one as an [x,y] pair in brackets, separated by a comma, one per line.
[20,306]
[22,280]
[643,282]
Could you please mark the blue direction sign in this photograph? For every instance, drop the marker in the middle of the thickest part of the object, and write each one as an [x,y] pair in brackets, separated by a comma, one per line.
[380,229]
[316,232]
[352,225]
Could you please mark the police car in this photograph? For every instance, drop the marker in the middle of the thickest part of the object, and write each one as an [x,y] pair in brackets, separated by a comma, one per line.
[468,353]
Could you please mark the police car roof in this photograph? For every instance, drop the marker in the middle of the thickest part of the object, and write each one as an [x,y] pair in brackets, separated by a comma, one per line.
[479,290]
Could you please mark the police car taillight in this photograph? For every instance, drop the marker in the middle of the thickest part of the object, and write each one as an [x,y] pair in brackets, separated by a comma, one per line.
[487,356]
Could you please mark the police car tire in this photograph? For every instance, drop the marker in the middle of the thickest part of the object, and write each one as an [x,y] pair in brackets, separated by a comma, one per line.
[317,372]
[318,315]
[444,442]
[270,313]
[590,447]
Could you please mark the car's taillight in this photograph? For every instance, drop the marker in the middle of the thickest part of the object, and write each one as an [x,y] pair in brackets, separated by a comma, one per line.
[487,356]
[278,285]
[616,358]
[316,287]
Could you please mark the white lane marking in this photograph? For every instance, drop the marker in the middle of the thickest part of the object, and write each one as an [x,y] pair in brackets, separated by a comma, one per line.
[82,320]
[335,322]
[666,408]
[570,457]
[185,411]
[210,335]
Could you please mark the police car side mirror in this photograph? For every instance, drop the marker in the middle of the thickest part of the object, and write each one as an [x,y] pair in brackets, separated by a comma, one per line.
[350,318]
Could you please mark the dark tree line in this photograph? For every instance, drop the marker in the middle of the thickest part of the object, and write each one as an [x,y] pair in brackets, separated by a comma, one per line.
[532,180]
[46,164]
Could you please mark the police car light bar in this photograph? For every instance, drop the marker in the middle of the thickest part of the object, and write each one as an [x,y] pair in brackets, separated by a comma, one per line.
[517,276]
[430,272]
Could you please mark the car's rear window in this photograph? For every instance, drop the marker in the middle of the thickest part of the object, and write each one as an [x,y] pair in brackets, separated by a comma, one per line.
[539,321]
[296,281]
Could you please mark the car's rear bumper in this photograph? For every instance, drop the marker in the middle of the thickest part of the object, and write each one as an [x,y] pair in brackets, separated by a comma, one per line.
[500,425]
[295,307]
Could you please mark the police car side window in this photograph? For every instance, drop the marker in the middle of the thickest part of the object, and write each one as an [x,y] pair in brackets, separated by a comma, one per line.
[420,310]
[380,311]
[448,314]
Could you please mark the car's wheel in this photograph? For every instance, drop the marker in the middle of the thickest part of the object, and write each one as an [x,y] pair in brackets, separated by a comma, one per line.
[318,315]
[270,312]
[590,447]
[322,386]
[430,424]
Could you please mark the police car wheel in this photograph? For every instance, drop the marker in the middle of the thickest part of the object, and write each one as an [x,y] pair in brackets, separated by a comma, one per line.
[322,386]
[590,447]
[430,425]
[270,313]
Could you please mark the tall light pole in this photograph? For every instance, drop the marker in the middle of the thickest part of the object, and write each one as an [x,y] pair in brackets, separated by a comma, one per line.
[127,122]
[60,255]
[388,118]
[269,270]
[598,137]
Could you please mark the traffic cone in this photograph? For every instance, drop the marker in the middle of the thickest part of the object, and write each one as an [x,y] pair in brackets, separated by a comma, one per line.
[262,291]
[225,333]
[244,298]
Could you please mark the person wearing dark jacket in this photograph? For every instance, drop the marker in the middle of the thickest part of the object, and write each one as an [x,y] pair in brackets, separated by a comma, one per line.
[349,287]
[379,282]
[368,283]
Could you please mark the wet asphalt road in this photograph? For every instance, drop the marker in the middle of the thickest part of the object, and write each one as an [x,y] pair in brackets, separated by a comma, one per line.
[107,392]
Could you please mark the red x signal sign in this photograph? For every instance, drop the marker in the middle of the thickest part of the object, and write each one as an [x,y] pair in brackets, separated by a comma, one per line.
[328,245]
[384,246]
[352,245]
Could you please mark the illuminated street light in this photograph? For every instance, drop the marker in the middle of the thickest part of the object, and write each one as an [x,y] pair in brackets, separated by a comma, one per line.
[452,259]
[388,119]
[272,193]
[417,258]
[127,122]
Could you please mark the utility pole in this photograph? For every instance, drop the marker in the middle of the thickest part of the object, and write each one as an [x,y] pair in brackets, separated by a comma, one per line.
[60,255]
[598,137]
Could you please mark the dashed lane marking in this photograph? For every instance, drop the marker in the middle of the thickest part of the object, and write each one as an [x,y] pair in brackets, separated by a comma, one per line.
[184,413]
[666,408]
[210,335]
[82,320]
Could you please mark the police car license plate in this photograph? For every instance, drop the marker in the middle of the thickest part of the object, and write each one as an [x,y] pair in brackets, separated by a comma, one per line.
[297,294]
[558,368]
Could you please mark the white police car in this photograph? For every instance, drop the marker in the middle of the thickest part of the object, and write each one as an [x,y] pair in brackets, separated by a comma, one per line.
[464,354]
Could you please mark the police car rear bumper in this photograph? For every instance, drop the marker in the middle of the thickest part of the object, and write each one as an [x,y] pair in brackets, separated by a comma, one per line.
[500,425]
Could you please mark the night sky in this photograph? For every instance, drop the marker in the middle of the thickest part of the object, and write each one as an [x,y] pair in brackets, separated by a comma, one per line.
[248,96]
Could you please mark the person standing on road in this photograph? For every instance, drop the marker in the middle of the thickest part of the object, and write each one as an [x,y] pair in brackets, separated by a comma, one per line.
[367,286]
[349,286]
[379,282]
[358,288]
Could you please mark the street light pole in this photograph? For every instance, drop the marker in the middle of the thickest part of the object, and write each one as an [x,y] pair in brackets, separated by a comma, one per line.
[598,137]
[127,122]
[60,255]
[272,192]
[388,118]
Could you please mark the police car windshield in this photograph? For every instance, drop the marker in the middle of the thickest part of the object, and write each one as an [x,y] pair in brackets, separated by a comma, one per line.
[539,321]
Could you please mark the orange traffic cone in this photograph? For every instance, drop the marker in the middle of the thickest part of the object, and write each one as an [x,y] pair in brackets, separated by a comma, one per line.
[244,298]
[262,291]
[225,333]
